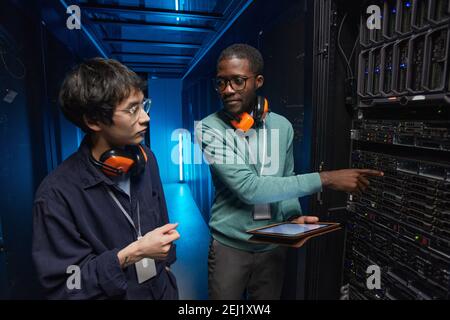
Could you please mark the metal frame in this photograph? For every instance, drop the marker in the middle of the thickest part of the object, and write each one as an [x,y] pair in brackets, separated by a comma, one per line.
[114,9]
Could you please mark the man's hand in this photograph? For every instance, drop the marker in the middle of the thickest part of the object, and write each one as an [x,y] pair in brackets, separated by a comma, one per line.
[348,180]
[154,244]
[305,219]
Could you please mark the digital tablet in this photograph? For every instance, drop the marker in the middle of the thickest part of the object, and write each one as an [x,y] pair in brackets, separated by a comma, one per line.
[292,230]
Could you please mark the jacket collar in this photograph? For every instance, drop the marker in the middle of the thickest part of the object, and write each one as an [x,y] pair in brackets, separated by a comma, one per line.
[90,175]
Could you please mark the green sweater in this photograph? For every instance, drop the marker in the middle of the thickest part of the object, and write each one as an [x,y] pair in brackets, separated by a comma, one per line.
[238,184]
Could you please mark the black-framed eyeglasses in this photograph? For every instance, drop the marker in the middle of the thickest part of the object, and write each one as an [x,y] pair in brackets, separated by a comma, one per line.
[237,83]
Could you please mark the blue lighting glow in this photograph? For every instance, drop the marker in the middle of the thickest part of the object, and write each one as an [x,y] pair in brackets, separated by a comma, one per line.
[180,156]
[408,4]
[394,10]
[403,65]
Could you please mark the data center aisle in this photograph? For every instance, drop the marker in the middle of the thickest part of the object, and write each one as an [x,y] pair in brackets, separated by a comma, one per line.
[191,267]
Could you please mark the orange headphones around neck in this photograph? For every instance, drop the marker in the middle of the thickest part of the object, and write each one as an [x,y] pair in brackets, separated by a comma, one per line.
[245,121]
[116,162]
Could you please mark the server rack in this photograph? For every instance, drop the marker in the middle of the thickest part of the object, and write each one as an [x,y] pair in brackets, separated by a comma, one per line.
[401,223]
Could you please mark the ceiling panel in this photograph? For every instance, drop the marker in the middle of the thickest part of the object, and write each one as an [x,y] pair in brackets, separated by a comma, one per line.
[157,32]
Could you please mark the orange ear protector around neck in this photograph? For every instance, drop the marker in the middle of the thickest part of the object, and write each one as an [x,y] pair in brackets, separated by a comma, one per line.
[245,121]
[116,162]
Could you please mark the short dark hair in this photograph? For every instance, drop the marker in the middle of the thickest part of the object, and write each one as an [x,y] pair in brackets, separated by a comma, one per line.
[94,88]
[244,51]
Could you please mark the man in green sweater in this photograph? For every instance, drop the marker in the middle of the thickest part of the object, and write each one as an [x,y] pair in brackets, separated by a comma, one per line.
[253,189]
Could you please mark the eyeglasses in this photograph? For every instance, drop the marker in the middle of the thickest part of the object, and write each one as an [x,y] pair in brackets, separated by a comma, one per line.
[237,83]
[134,111]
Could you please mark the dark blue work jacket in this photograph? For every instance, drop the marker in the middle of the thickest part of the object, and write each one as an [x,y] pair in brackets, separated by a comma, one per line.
[77,223]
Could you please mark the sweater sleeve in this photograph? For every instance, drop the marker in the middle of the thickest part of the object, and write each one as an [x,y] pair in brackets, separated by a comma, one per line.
[229,165]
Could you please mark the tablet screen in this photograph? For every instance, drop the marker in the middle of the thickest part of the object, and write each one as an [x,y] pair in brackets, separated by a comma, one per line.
[291,229]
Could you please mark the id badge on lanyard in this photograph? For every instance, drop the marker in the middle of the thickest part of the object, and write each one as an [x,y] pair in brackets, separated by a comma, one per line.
[145,268]
[261,211]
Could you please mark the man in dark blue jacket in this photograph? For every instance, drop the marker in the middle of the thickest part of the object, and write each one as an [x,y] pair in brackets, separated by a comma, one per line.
[100,223]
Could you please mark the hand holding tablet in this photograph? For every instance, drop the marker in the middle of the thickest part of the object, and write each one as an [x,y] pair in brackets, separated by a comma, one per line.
[305,219]
[292,234]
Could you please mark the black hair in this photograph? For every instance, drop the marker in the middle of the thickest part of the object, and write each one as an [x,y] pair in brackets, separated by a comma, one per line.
[244,51]
[94,88]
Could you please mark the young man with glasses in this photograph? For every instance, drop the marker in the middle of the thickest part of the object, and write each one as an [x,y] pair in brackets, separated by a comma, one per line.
[100,223]
[247,194]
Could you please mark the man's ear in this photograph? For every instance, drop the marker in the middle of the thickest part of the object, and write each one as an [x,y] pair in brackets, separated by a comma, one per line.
[259,81]
[92,124]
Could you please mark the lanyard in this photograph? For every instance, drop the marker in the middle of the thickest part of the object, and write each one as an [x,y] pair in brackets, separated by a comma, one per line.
[125,213]
[252,156]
